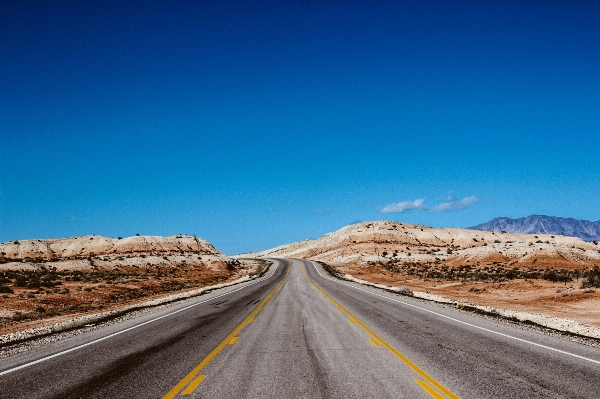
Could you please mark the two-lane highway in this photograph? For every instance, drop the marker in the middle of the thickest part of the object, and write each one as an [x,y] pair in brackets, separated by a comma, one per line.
[301,333]
[305,345]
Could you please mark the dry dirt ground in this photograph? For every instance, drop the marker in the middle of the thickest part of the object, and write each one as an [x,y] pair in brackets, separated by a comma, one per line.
[47,281]
[558,299]
[552,275]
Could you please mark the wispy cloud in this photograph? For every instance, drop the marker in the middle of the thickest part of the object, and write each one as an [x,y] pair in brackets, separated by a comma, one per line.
[321,212]
[419,205]
[454,204]
[416,205]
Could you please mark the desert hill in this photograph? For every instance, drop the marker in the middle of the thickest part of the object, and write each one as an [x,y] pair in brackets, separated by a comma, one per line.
[85,246]
[538,274]
[57,278]
[398,243]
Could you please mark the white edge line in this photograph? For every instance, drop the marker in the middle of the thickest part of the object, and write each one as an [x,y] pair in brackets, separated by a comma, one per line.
[132,328]
[458,321]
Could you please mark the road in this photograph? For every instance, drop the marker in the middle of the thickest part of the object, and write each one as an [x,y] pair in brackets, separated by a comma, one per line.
[300,333]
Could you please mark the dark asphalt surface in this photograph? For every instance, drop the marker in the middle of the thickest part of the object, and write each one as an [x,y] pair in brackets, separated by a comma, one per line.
[329,339]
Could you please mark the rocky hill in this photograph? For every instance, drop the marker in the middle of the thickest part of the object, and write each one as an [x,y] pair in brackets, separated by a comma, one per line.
[86,246]
[402,245]
[534,275]
[43,280]
[541,224]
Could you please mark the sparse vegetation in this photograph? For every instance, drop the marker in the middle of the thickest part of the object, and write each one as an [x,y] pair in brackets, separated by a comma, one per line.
[72,279]
[5,290]
[591,278]
[331,270]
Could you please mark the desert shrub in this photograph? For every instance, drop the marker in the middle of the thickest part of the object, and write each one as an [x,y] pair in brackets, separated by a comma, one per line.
[550,275]
[554,276]
[5,290]
[514,273]
[331,270]
[232,265]
[592,278]
[20,281]
[33,284]
[18,316]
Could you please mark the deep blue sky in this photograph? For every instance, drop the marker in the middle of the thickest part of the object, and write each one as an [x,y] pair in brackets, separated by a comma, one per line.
[253,124]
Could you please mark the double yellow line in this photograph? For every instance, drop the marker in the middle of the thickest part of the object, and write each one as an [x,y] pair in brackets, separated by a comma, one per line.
[428,384]
[191,381]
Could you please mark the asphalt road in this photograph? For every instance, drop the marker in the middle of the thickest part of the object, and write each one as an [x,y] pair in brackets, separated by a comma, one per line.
[299,333]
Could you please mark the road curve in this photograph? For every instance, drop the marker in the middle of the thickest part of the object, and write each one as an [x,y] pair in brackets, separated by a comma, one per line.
[303,334]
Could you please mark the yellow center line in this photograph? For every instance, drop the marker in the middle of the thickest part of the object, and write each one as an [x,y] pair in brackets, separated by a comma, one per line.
[233,341]
[374,342]
[429,389]
[249,319]
[389,347]
[193,385]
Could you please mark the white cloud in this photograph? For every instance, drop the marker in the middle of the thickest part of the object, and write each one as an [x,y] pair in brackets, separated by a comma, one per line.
[419,205]
[321,212]
[416,205]
[453,205]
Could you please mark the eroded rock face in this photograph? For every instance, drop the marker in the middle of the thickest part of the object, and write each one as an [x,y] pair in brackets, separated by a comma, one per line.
[526,273]
[44,280]
[85,246]
[393,242]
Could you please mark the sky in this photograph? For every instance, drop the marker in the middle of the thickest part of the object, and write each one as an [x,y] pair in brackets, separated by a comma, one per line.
[254,124]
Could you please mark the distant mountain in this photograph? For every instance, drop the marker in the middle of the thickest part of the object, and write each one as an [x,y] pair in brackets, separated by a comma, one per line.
[541,224]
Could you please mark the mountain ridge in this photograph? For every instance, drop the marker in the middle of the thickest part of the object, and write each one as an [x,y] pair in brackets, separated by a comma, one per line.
[542,224]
